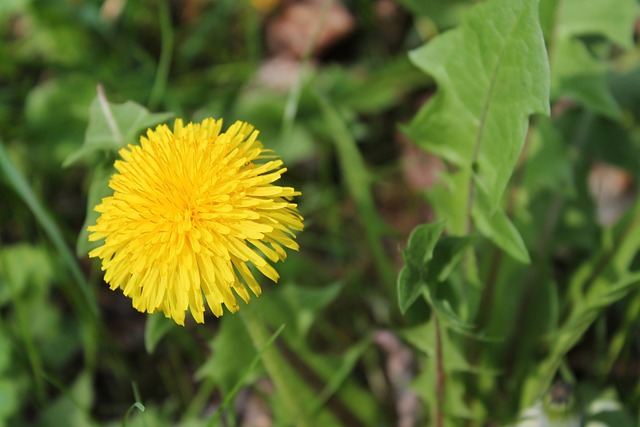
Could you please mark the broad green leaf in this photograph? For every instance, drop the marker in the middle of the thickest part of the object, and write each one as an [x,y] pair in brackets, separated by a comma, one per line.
[575,71]
[492,74]
[412,278]
[98,189]
[626,89]
[448,197]
[498,227]
[410,287]
[446,256]
[428,262]
[422,241]
[30,269]
[446,312]
[613,19]
[578,74]
[113,126]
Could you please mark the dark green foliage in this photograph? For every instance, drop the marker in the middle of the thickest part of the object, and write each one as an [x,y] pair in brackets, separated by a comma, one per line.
[519,279]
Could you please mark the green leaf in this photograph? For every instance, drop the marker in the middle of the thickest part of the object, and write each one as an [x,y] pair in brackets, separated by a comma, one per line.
[337,373]
[231,352]
[228,400]
[428,262]
[575,71]
[447,254]
[98,189]
[307,303]
[9,400]
[423,338]
[19,184]
[446,312]
[297,306]
[72,408]
[419,252]
[549,162]
[492,74]
[156,327]
[498,227]
[578,74]
[613,19]
[448,197]
[113,126]
[30,269]
[358,182]
[444,13]
[375,90]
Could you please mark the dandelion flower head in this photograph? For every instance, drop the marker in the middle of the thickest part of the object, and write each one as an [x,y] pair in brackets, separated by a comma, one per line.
[192,209]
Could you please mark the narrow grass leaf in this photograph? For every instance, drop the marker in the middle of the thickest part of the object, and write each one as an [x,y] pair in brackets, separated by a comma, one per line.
[339,374]
[22,188]
[228,400]
[358,183]
[136,405]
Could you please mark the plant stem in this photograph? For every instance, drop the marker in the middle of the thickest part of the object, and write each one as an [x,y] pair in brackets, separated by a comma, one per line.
[274,363]
[440,375]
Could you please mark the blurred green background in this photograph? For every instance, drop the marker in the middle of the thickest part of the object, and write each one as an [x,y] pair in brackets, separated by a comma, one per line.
[329,85]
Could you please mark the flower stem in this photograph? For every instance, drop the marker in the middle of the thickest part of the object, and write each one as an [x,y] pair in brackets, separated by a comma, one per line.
[274,364]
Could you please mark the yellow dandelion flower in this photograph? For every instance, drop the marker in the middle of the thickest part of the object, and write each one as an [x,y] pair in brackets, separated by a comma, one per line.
[190,210]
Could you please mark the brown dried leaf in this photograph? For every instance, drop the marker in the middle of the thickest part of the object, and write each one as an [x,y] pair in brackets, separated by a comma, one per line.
[290,32]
